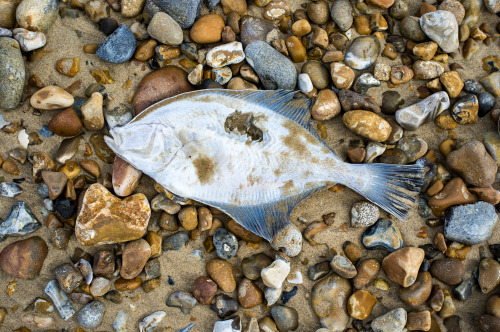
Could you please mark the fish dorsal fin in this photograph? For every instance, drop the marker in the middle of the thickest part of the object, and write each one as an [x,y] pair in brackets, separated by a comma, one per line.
[291,104]
[265,220]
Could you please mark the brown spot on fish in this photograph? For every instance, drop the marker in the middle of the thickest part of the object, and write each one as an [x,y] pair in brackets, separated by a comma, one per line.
[243,124]
[205,168]
[293,139]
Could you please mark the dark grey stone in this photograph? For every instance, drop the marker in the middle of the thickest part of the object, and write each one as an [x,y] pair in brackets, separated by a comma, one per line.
[470,223]
[175,241]
[486,103]
[225,243]
[473,86]
[286,318]
[383,235]
[341,12]
[182,300]
[117,47]
[254,28]
[274,69]
[212,3]
[319,270]
[183,12]
[224,305]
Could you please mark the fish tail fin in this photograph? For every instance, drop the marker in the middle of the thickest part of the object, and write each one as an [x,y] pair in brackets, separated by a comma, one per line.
[392,187]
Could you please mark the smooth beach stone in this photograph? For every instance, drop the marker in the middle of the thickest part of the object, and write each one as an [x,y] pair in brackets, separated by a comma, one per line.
[182,300]
[224,305]
[413,146]
[207,29]
[134,257]
[158,85]
[367,124]
[470,223]
[226,54]
[175,241]
[118,221]
[343,267]
[125,177]
[275,71]
[254,28]
[351,100]
[226,243]
[410,29]
[341,12]
[51,98]
[24,259]
[150,322]
[455,192]
[360,304]
[491,83]
[220,271]
[414,116]
[132,8]
[364,214]
[165,29]
[367,271]
[362,52]
[448,270]
[454,7]
[383,235]
[419,292]
[275,274]
[20,221]
[393,321]
[249,295]
[441,26]
[329,301]
[286,318]
[68,277]
[486,103]
[473,163]
[117,116]
[117,47]
[91,315]
[492,5]
[289,240]
[364,82]
[466,109]
[29,40]
[319,270]
[12,73]
[472,86]
[489,275]
[184,12]
[37,15]
[402,265]
[8,14]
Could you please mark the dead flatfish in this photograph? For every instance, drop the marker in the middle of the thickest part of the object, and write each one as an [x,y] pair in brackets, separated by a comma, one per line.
[253,155]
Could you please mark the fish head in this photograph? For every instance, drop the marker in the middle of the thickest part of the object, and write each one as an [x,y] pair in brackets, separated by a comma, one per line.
[148,147]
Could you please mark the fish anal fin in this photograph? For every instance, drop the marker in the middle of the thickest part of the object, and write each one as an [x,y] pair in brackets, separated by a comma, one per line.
[265,220]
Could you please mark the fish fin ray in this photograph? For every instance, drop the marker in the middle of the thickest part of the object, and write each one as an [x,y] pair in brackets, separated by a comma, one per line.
[392,187]
[265,220]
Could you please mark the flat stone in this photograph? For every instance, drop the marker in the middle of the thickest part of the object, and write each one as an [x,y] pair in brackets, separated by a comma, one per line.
[91,315]
[165,29]
[184,12]
[117,221]
[362,52]
[448,270]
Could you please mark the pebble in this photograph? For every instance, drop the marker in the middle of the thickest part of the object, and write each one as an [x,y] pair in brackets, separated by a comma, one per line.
[220,271]
[486,103]
[229,325]
[182,300]
[367,271]
[452,83]
[91,315]
[10,189]
[427,70]
[97,10]
[107,25]
[204,290]
[410,29]
[249,295]
[117,47]
[93,118]
[441,26]
[319,75]
[362,52]
[448,308]
[414,116]
[493,6]
[207,29]
[125,220]
[489,323]
[493,305]
[351,100]
[225,242]
[286,318]
[100,286]
[254,28]
[175,241]
[489,275]
[101,149]
[341,13]
[24,259]
[12,74]
[125,177]
[184,12]
[120,322]
[150,322]
[342,75]
[224,305]
[419,292]
[448,270]
[158,85]
[419,321]
[134,257]
[68,277]
[276,10]
[473,164]
[402,265]
[391,102]
[51,98]
[329,301]
[382,72]
[274,274]
[319,270]
[289,240]
[454,193]
[367,124]
[326,106]
[165,29]
[491,83]
[29,40]
[425,51]
[117,116]
[20,221]
[222,75]
[360,304]
[318,12]
[364,214]
[472,86]
[252,266]
[68,66]
[394,321]
[60,299]
[465,110]
[364,82]
[413,146]
[66,123]
[226,54]
[37,15]
[383,235]
[343,267]
[454,7]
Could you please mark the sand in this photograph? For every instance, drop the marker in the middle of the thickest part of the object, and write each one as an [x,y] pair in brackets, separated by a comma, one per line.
[66,39]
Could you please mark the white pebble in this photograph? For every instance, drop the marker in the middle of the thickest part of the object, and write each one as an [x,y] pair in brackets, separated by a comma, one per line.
[29,40]
[304,83]
[23,138]
[295,278]
[274,275]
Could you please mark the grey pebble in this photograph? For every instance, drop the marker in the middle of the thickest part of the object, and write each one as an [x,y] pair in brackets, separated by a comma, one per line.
[286,318]
[117,47]
[274,69]
[226,243]
[91,315]
[341,12]
[20,221]
[319,270]
[12,73]
[5,32]
[383,235]
[364,82]
[182,300]
[224,305]
[362,52]
[60,300]
[175,241]
[470,223]
[472,86]
[153,269]
[10,189]
[184,12]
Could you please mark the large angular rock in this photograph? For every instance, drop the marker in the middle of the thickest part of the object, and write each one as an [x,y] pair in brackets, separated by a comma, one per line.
[104,218]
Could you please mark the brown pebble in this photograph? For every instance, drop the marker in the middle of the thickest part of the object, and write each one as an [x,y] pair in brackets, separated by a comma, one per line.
[66,124]
[24,259]
[419,292]
[368,270]
[207,29]
[402,265]
[10,167]
[188,216]
[493,305]
[360,304]
[123,285]
[104,263]
[221,272]
[249,295]
[455,192]
[474,164]
[204,290]
[145,50]
[419,321]
[91,167]
[134,257]
[489,275]
[436,299]
[448,270]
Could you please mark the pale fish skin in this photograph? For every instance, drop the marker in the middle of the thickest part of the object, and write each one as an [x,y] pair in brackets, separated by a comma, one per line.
[183,144]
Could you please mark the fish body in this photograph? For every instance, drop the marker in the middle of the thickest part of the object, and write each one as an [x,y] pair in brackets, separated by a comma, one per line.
[252,154]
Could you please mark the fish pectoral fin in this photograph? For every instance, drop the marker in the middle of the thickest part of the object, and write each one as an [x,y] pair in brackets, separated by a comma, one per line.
[266,220]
